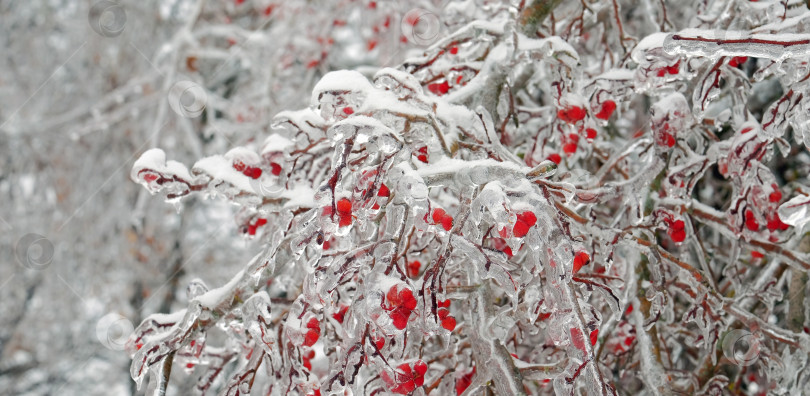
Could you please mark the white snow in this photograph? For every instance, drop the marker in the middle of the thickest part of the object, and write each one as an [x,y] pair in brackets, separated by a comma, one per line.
[340,81]
[276,143]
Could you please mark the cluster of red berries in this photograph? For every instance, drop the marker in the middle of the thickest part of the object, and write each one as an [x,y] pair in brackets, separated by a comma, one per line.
[673,69]
[439,216]
[406,377]
[525,221]
[401,304]
[676,229]
[344,211]
[575,114]
[439,88]
[422,156]
[448,321]
[249,171]
[313,332]
[275,168]
[572,114]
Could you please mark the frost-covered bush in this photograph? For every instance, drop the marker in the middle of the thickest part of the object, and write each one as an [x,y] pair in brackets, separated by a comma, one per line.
[552,198]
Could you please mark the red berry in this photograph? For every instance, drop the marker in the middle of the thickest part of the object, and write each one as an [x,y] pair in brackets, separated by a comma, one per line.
[776,195]
[677,231]
[313,333]
[239,166]
[594,336]
[421,368]
[590,133]
[413,268]
[344,206]
[379,342]
[447,223]
[400,318]
[443,304]
[384,192]
[775,223]
[345,220]
[608,107]
[737,60]
[340,315]
[449,323]
[528,217]
[401,305]
[275,169]
[755,254]
[674,68]
[454,50]
[750,221]
[252,172]
[571,114]
[438,215]
[520,229]
[348,111]
[581,259]
[150,177]
[555,158]
[464,382]
[439,88]
[570,148]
